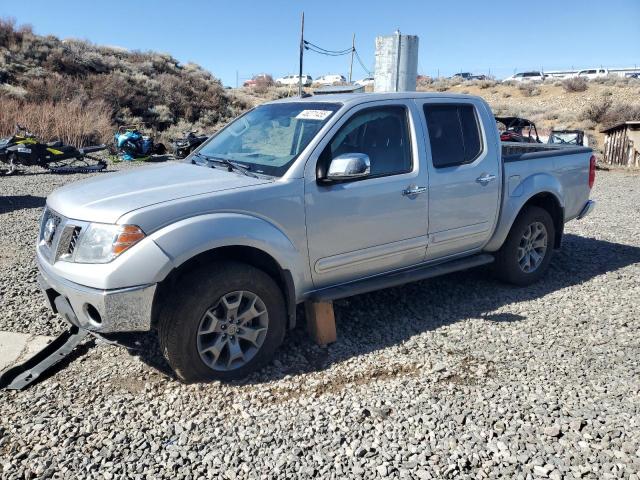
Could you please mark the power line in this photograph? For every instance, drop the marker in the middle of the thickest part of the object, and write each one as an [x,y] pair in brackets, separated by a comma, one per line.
[336,53]
[313,46]
[361,62]
[325,53]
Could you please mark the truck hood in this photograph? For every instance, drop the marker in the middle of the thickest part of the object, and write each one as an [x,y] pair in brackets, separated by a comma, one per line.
[105,198]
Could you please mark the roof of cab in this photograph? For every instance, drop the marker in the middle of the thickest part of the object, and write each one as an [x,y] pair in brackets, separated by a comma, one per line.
[356,98]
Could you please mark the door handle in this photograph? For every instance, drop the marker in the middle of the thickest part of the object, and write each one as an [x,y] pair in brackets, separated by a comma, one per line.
[413,190]
[485,178]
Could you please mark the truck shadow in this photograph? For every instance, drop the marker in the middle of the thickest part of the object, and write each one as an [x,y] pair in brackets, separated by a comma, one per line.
[381,319]
[10,203]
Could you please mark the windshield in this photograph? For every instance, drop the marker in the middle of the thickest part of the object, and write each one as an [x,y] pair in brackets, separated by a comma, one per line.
[270,137]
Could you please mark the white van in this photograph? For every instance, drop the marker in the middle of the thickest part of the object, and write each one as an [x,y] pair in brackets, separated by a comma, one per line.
[294,79]
[526,77]
[331,79]
[592,73]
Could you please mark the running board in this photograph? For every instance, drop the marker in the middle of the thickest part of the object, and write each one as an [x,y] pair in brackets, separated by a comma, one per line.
[399,278]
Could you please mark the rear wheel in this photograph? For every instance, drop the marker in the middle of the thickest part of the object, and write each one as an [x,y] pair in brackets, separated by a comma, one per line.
[526,253]
[224,323]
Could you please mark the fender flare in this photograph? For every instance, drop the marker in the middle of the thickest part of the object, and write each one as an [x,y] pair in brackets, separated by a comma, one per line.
[516,197]
[187,238]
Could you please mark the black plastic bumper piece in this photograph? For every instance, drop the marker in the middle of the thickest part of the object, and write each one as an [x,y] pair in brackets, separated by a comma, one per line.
[23,375]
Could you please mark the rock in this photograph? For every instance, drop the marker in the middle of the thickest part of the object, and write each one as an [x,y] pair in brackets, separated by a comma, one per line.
[552,431]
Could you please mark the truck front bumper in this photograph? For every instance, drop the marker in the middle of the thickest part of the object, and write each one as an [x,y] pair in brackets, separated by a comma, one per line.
[101,311]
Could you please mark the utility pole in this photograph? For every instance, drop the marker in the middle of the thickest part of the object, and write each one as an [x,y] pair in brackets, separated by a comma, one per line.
[398,60]
[301,55]
[353,49]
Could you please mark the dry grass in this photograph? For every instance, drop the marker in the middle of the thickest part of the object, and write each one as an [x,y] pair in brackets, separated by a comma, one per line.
[68,121]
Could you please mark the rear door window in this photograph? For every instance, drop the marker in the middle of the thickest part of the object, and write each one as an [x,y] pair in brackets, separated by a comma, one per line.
[454,134]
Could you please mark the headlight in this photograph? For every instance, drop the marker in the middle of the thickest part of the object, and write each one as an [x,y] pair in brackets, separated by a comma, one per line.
[101,243]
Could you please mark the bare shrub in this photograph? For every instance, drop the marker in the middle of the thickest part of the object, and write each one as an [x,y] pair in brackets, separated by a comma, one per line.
[440,84]
[423,82]
[597,110]
[575,84]
[263,83]
[12,91]
[70,122]
[484,84]
[620,113]
[614,80]
[528,90]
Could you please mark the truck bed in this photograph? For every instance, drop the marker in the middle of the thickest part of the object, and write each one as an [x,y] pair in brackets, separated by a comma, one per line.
[514,151]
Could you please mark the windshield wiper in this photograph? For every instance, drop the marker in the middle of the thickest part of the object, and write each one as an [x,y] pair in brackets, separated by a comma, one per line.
[230,164]
[237,166]
[203,156]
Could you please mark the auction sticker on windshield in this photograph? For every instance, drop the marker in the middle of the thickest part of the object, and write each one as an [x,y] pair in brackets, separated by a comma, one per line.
[313,114]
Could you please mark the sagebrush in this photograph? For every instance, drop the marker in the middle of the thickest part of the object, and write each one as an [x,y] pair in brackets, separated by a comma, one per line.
[575,84]
[131,86]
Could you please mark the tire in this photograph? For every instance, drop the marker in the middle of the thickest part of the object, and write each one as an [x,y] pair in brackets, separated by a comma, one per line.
[511,265]
[197,305]
[159,149]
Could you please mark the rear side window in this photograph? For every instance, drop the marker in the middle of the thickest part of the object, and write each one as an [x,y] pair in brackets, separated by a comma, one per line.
[454,134]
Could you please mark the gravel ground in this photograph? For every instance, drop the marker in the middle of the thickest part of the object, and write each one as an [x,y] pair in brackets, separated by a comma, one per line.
[456,377]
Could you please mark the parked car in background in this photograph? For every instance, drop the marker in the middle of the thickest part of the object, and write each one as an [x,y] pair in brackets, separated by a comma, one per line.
[366,82]
[592,73]
[294,80]
[469,76]
[303,200]
[331,79]
[261,79]
[526,77]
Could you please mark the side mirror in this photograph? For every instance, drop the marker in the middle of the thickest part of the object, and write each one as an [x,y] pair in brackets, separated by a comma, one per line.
[349,166]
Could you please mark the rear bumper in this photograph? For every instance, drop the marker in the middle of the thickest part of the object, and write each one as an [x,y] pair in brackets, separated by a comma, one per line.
[102,311]
[587,209]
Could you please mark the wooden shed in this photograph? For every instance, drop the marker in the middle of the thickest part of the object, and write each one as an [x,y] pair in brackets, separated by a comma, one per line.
[622,144]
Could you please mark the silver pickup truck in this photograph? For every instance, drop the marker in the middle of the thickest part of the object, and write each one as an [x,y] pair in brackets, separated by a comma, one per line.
[306,199]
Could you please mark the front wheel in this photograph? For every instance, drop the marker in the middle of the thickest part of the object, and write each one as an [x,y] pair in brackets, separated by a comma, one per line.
[225,322]
[526,253]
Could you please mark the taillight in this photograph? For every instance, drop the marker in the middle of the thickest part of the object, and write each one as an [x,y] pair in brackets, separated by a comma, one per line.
[592,170]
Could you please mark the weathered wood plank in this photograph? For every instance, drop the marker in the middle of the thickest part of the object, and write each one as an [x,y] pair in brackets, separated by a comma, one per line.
[321,322]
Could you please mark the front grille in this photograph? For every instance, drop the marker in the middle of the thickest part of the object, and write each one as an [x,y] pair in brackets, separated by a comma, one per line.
[58,238]
[45,233]
[74,239]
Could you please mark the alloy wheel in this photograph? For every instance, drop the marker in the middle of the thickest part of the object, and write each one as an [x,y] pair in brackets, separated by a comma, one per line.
[532,247]
[232,332]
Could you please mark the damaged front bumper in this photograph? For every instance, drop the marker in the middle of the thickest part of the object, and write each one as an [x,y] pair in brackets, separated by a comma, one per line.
[95,310]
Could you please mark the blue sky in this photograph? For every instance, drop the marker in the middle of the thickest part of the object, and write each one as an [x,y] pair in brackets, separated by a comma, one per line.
[252,37]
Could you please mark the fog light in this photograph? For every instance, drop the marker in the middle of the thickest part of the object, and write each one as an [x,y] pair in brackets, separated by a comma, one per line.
[92,313]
